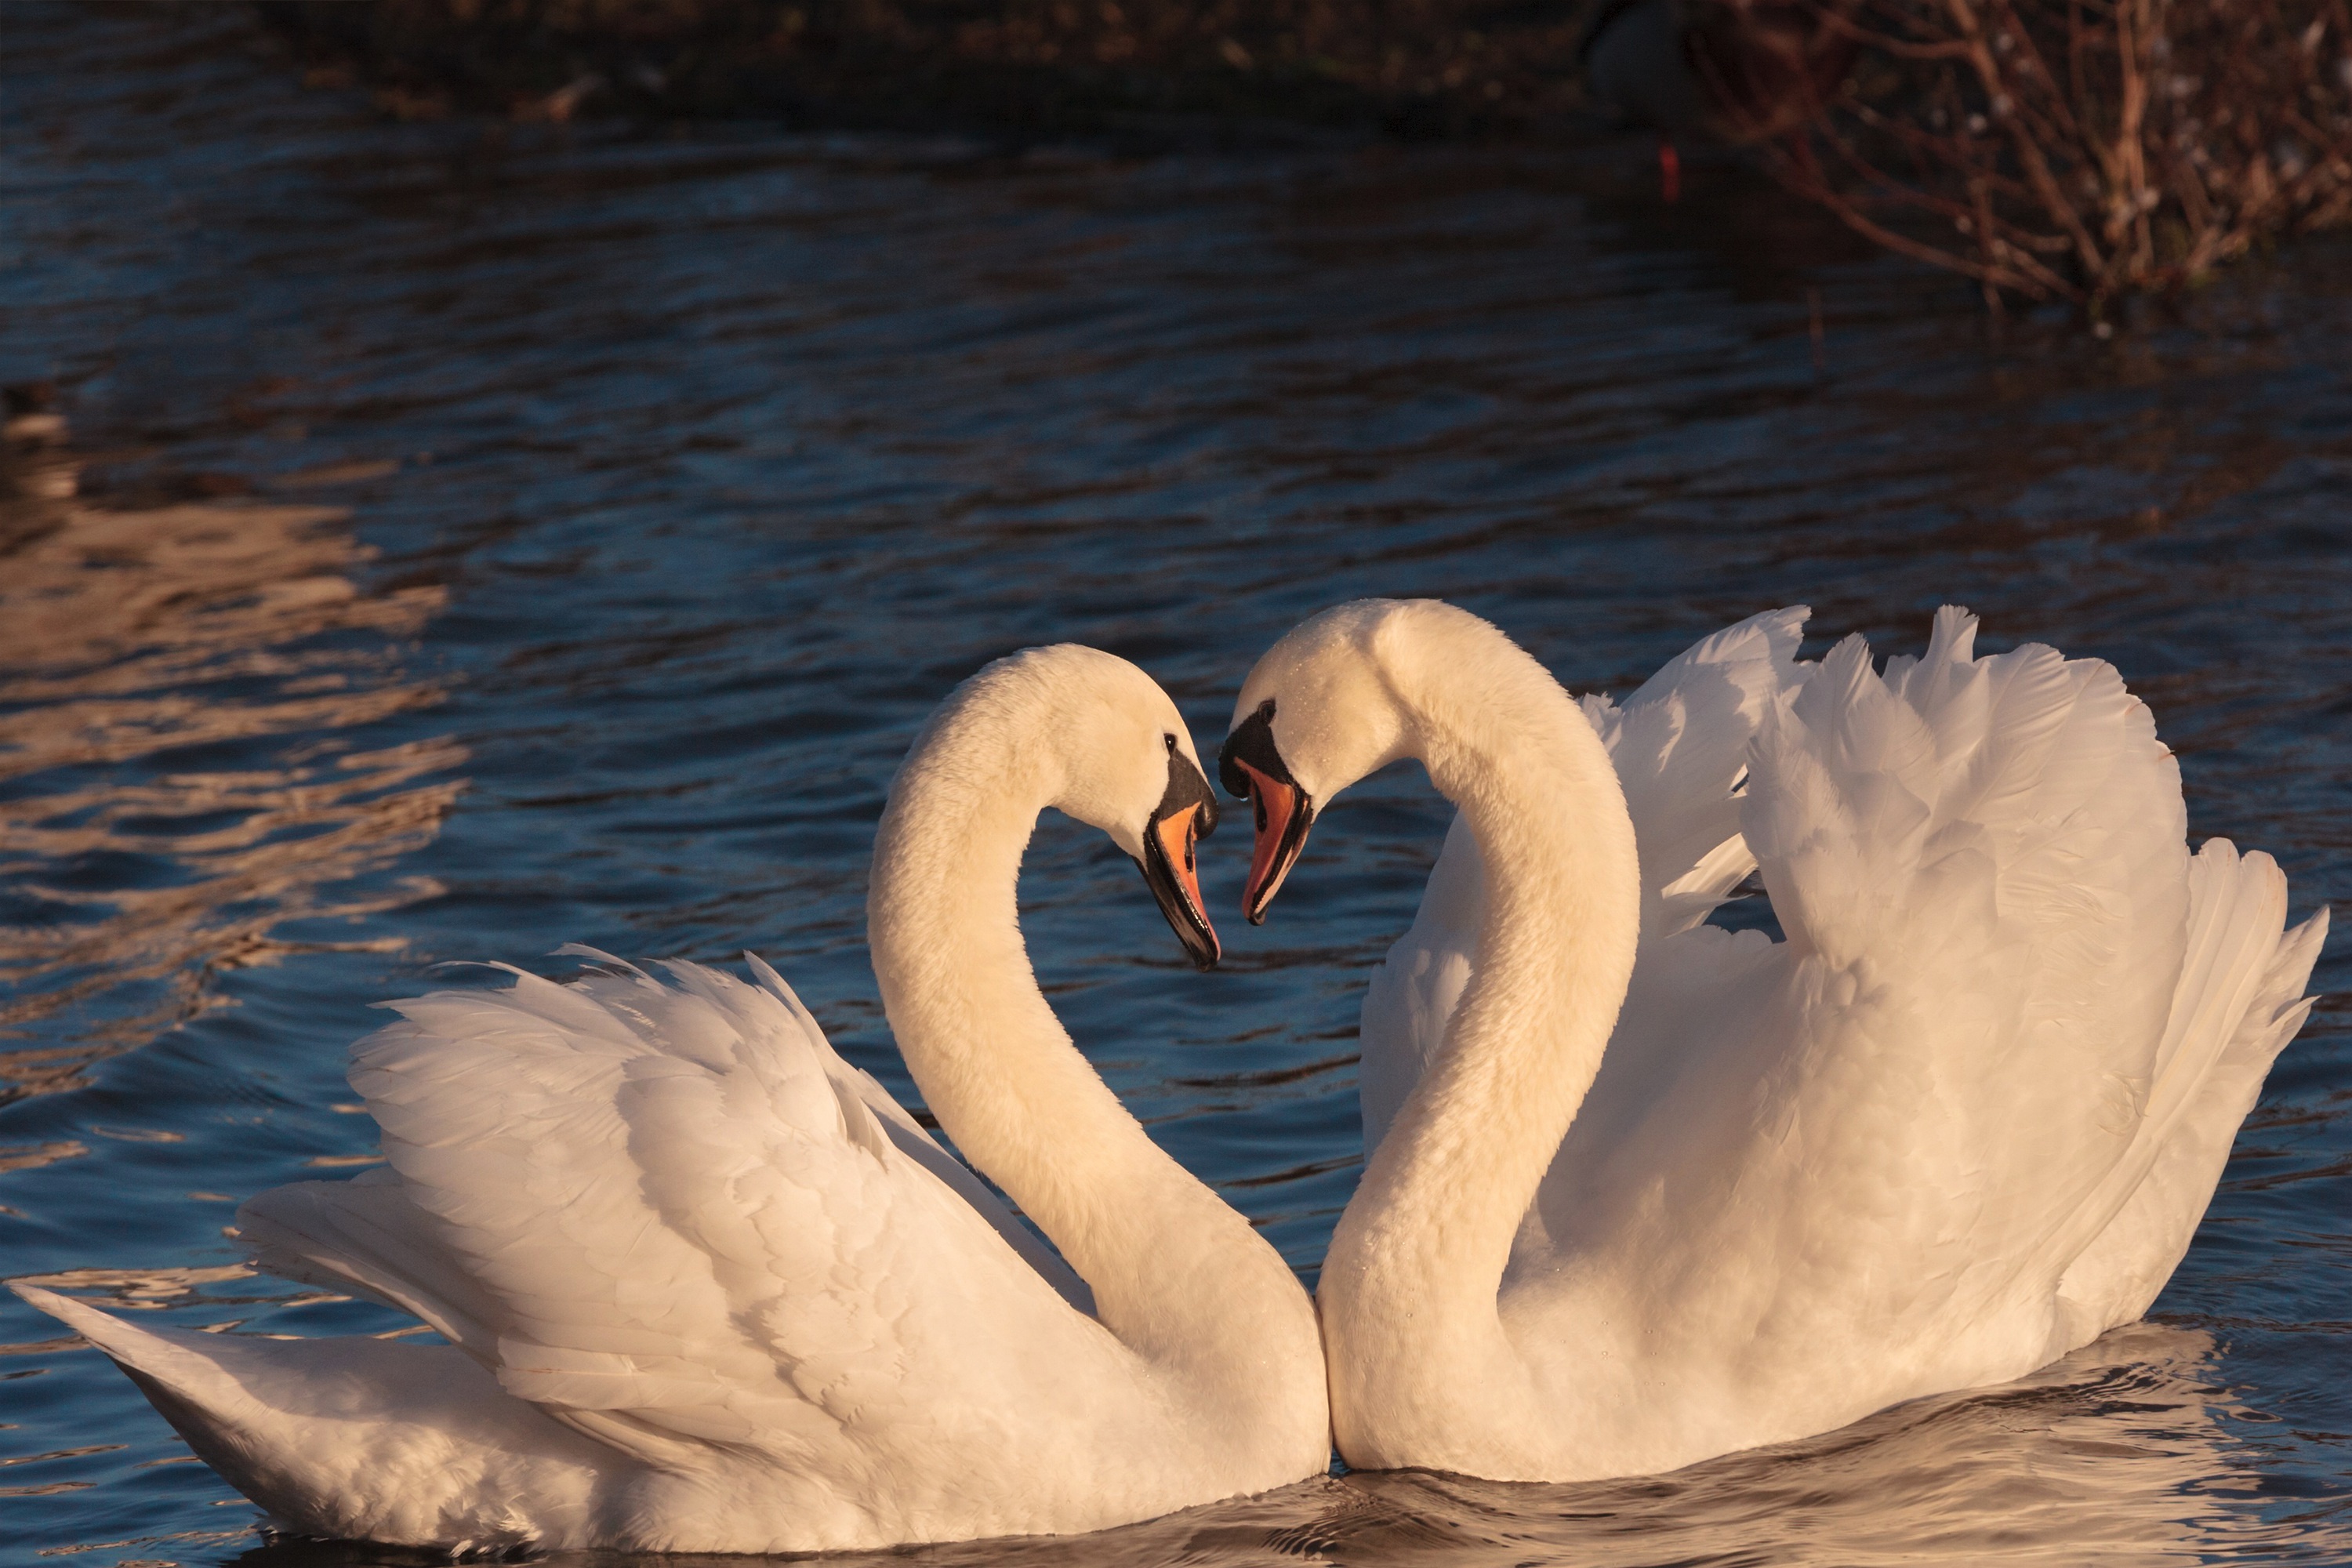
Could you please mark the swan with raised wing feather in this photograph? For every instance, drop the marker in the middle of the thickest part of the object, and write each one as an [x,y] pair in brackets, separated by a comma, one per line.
[1641,1190]
[707,1288]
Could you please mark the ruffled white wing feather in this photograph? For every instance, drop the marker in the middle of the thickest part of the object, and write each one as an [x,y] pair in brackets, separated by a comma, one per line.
[673,1217]
[1966,1115]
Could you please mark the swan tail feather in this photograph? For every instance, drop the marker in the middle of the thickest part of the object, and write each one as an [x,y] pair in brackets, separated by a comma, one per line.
[353,1438]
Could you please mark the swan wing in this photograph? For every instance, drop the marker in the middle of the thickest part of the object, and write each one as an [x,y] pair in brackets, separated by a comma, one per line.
[1981,867]
[1680,743]
[2239,1002]
[672,1216]
[2006,1002]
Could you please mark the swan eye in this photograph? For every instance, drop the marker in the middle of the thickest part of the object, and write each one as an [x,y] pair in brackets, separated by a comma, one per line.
[1171,744]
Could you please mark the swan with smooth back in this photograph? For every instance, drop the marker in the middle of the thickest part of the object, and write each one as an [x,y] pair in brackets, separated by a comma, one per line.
[1640,1190]
[706,1287]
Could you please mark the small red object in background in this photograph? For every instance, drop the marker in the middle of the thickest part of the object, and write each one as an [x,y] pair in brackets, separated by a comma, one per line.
[1670,170]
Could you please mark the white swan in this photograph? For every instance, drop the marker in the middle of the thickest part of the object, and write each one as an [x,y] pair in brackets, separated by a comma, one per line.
[1962,1121]
[707,1288]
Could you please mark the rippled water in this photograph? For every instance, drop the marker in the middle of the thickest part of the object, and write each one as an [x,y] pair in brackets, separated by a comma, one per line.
[492,538]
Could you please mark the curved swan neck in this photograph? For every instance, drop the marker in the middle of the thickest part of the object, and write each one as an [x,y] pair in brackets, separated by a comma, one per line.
[1434,1219]
[1176,1274]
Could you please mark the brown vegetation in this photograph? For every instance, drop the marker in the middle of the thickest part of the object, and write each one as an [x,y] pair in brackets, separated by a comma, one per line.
[2079,149]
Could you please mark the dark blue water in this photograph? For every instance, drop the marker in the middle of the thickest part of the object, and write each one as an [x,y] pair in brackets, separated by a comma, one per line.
[491,537]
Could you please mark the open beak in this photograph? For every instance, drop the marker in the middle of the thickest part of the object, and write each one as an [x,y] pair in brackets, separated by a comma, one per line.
[1283,815]
[1187,813]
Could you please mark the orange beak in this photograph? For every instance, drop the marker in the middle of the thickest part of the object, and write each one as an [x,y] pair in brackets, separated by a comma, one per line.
[1172,869]
[1284,816]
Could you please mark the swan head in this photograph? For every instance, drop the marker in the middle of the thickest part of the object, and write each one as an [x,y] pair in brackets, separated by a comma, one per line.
[1105,745]
[1319,712]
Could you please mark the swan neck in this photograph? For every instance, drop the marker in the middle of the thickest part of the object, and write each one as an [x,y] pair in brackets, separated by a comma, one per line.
[1009,1087]
[1442,1197]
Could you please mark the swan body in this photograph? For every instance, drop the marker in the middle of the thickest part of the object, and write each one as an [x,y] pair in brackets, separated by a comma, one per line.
[706,1287]
[1640,1190]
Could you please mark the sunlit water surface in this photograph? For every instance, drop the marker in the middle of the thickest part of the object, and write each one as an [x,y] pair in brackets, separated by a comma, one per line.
[493,537]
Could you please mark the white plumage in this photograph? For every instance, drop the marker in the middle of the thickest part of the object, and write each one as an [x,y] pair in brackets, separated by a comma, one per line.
[1679,745]
[1964,1118]
[707,1288]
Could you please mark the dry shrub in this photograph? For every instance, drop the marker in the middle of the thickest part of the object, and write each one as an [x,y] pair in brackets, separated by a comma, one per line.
[2079,149]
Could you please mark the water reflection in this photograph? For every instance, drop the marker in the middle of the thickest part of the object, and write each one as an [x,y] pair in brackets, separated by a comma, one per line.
[140,1289]
[174,782]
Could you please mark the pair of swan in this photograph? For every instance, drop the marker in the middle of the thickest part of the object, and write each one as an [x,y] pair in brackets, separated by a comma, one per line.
[1640,1190]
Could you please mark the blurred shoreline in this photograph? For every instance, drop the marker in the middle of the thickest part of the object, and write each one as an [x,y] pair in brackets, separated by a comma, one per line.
[1144,75]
